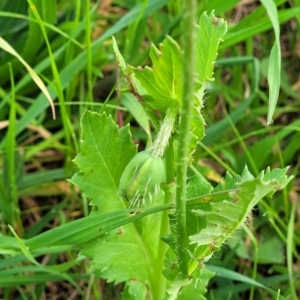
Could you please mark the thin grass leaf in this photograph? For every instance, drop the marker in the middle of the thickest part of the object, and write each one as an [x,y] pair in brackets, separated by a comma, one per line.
[137,111]
[46,24]
[41,224]
[57,82]
[220,6]
[42,66]
[23,247]
[255,245]
[13,281]
[9,27]
[70,71]
[289,251]
[229,274]
[88,42]
[234,37]
[4,202]
[215,131]
[35,39]
[7,47]
[88,228]
[10,155]
[274,72]
[25,250]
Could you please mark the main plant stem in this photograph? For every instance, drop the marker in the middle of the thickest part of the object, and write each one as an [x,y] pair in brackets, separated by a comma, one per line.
[184,130]
[164,228]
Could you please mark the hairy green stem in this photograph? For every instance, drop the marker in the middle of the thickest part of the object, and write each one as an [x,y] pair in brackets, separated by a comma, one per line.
[164,134]
[164,227]
[160,280]
[184,131]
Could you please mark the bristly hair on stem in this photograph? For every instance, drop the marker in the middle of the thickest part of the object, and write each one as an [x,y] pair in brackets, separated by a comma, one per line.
[184,136]
[164,134]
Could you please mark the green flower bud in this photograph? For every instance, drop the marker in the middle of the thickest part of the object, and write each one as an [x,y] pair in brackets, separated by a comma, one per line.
[141,177]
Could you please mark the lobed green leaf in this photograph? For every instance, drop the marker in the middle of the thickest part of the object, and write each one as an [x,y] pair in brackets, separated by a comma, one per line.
[210,33]
[105,152]
[226,216]
[129,252]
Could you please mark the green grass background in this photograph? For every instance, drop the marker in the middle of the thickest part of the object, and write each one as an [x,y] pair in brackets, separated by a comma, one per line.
[68,45]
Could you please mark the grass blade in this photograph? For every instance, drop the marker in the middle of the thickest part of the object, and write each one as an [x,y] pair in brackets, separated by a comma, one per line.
[79,62]
[7,47]
[229,274]
[46,24]
[275,59]
[289,251]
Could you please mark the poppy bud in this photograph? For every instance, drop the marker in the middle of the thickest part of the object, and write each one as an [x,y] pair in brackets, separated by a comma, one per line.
[141,177]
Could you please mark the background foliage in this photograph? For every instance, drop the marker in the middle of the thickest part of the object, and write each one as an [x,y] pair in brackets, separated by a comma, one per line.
[69,46]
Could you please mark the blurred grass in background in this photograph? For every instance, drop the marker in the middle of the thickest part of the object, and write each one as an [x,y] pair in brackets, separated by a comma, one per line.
[68,44]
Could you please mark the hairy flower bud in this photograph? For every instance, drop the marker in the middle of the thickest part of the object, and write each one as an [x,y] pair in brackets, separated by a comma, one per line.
[141,177]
